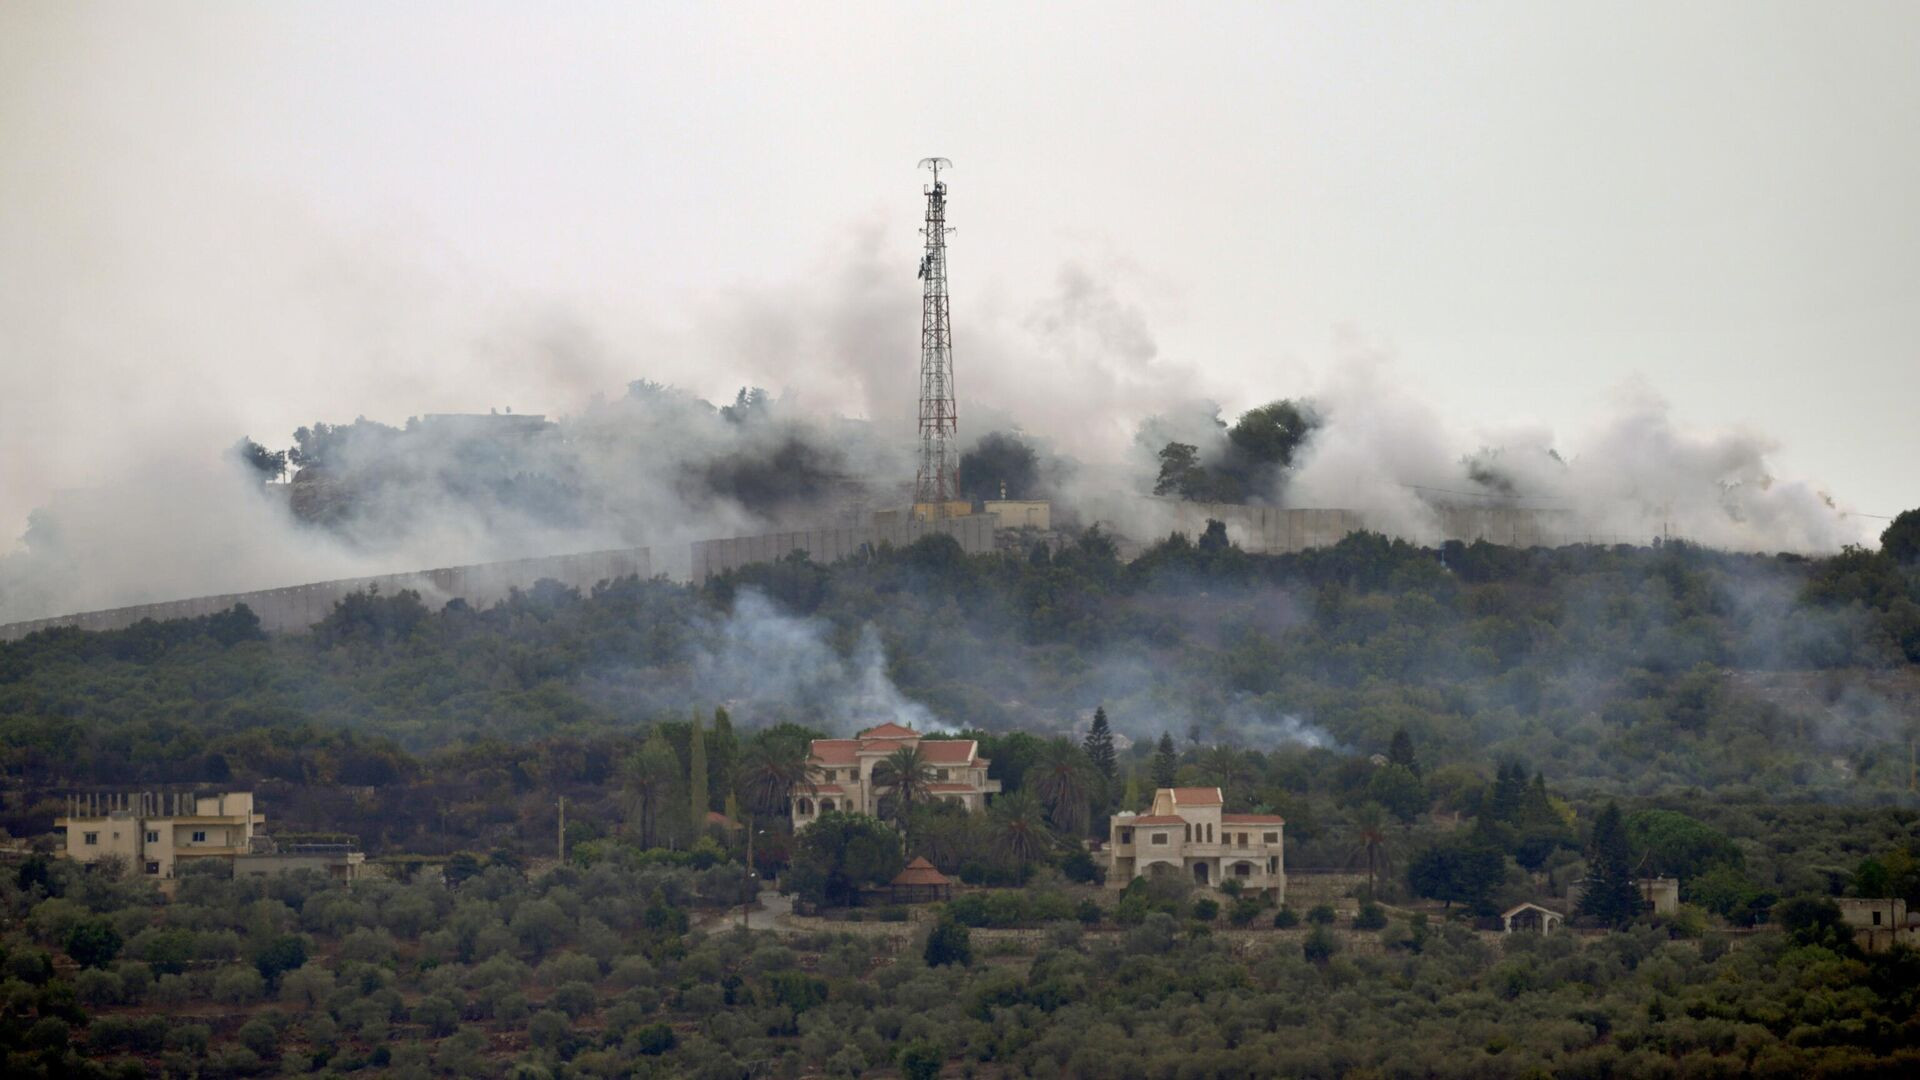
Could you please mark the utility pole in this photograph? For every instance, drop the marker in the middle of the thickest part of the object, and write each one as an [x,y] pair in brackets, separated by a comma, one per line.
[753,880]
[934,485]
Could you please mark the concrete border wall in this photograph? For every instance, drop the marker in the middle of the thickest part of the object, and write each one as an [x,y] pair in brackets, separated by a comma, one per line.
[298,607]
[710,557]
[1273,530]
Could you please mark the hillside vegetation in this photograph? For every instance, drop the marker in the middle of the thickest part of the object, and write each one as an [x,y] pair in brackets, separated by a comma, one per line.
[1469,728]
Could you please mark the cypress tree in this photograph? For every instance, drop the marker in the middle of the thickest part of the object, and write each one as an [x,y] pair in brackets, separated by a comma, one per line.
[1099,745]
[697,778]
[1509,793]
[723,755]
[1400,752]
[1610,895]
[1166,762]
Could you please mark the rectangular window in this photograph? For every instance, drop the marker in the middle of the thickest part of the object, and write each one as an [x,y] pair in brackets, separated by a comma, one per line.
[1126,836]
[1159,838]
[941,774]
[200,836]
[90,838]
[152,837]
[153,867]
[1273,838]
[1876,918]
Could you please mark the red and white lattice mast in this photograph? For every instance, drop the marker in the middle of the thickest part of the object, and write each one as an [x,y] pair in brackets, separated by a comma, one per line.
[935,485]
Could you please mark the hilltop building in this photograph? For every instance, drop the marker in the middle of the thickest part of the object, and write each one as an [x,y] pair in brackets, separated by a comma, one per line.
[1879,923]
[842,771]
[155,833]
[1187,831]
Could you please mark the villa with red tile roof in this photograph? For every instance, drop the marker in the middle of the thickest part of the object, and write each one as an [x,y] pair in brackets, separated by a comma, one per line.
[842,772]
[1188,832]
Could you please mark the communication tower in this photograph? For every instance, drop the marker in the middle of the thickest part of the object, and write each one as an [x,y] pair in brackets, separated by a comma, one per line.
[935,485]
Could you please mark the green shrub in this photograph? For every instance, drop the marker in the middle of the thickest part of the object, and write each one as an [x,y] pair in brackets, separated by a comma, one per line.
[1244,911]
[1321,915]
[547,1029]
[440,1016]
[1370,917]
[238,986]
[1319,946]
[949,943]
[93,943]
[287,952]
[921,1061]
[1206,909]
[653,1040]
[1285,919]
[259,1036]
[575,998]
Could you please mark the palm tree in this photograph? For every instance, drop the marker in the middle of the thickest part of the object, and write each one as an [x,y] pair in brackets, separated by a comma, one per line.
[907,778]
[944,838]
[1370,840]
[772,772]
[1020,828]
[1062,779]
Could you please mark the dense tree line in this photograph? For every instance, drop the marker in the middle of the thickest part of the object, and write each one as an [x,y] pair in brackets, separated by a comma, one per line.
[631,968]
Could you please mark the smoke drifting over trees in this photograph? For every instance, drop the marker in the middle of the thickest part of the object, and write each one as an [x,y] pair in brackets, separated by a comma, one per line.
[1077,372]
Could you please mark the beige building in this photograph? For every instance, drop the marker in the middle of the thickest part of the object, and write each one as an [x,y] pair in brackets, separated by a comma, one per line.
[842,772]
[1879,923]
[338,861]
[1660,894]
[1188,832]
[153,832]
[1020,513]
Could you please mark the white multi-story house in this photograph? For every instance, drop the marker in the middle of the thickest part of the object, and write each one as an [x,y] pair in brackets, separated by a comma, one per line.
[842,772]
[152,832]
[1188,832]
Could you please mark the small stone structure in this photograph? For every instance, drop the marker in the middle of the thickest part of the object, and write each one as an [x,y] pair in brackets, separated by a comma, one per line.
[1530,917]
[1879,923]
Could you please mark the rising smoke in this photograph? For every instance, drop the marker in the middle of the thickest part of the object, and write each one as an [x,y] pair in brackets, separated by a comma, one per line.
[1630,474]
[162,514]
[659,467]
[768,665]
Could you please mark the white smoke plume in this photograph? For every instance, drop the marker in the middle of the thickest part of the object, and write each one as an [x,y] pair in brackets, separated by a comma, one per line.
[1631,474]
[1078,371]
[768,661]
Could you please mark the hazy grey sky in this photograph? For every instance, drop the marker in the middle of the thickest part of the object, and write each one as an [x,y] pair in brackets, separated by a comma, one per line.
[218,219]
